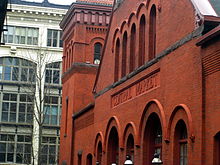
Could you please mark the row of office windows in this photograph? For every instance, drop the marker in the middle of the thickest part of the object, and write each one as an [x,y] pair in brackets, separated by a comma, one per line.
[30,36]
[16,148]
[121,47]
[18,108]
[16,69]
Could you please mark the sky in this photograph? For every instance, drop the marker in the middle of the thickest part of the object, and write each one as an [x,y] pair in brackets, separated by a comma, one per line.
[63,2]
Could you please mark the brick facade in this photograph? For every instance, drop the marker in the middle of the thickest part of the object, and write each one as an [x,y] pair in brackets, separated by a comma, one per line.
[157,94]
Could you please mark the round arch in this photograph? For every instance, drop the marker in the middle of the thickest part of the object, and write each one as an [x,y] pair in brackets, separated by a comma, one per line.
[188,120]
[147,112]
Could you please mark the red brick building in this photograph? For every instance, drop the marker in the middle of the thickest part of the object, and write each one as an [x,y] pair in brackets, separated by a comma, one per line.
[157,89]
[85,26]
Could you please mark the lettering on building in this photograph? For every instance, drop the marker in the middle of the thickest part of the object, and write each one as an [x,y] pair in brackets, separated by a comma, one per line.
[138,88]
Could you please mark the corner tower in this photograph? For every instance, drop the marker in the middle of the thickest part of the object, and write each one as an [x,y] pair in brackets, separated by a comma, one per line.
[84,30]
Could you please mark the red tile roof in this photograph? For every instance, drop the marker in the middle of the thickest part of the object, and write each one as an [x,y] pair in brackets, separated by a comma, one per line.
[104,2]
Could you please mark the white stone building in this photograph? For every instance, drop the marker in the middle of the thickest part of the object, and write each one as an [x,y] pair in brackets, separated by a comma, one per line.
[32,43]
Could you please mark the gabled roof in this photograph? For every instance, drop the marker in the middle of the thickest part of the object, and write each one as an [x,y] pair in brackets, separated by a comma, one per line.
[97,2]
[45,3]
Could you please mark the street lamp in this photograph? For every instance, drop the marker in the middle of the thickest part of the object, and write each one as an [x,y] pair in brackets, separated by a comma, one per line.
[156,160]
[128,160]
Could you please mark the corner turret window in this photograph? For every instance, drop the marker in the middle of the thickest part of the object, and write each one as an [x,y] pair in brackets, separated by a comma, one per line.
[97,53]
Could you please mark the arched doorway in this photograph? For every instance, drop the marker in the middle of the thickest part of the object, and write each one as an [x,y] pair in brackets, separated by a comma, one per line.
[99,154]
[152,141]
[89,159]
[130,147]
[216,155]
[113,147]
[180,144]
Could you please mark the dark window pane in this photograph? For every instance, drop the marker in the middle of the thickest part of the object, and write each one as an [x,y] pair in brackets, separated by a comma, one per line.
[12,117]
[52,149]
[29,118]
[21,117]
[6,96]
[13,107]
[24,62]
[2,147]
[24,72]
[11,137]
[5,107]
[3,137]
[56,76]
[20,139]
[10,157]
[48,76]
[2,157]
[28,139]
[52,159]
[19,158]
[13,97]
[54,100]
[4,116]
[22,107]
[15,74]
[23,98]
[52,140]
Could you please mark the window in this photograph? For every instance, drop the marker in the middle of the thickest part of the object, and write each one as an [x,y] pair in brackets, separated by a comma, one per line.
[117,52]
[142,40]
[53,73]
[15,69]
[97,53]
[152,33]
[23,150]
[124,55]
[9,107]
[89,159]
[51,110]
[49,150]
[26,107]
[7,147]
[10,110]
[21,35]
[180,147]
[132,47]
[54,38]
[15,148]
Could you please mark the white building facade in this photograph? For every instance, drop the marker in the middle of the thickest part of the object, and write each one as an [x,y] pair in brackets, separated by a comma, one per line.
[30,80]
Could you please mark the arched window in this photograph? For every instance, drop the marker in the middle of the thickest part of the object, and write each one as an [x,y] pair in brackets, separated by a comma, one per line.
[130,147]
[117,52]
[152,139]
[142,40]
[152,33]
[124,55]
[180,144]
[99,154]
[97,53]
[89,159]
[16,69]
[132,48]
[113,147]
[217,149]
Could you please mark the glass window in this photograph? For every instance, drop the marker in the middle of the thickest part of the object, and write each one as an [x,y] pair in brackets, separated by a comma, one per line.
[49,150]
[97,53]
[54,38]
[52,110]
[53,73]
[15,69]
[21,35]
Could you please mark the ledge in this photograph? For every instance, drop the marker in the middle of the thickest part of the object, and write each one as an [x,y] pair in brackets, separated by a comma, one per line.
[84,110]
